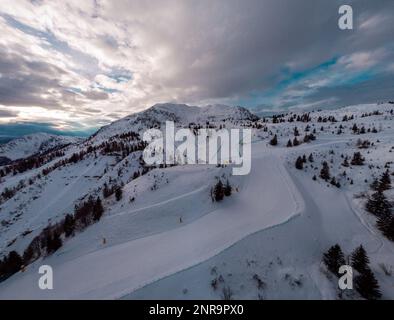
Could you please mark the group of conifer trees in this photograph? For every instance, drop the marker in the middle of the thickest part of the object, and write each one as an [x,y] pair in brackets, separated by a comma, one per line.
[220,190]
[301,160]
[34,161]
[363,277]
[380,206]
[50,239]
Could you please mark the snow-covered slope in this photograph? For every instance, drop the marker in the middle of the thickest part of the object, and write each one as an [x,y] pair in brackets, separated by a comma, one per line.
[48,198]
[164,237]
[34,143]
[181,114]
[143,260]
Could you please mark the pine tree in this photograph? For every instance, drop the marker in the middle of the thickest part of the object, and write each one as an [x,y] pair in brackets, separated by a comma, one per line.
[28,255]
[69,225]
[118,193]
[310,158]
[385,181]
[359,259]
[386,225]
[367,285]
[299,164]
[358,159]
[345,162]
[2,269]
[57,241]
[98,210]
[136,175]
[295,142]
[53,243]
[334,258]
[378,204]
[274,141]
[334,181]
[375,185]
[227,189]
[289,143]
[325,171]
[106,191]
[218,191]
[10,265]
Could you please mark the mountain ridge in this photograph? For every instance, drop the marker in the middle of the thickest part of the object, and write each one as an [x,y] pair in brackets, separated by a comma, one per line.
[182,114]
[28,145]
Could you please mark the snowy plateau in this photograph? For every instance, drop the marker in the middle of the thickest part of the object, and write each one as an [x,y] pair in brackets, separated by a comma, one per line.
[112,228]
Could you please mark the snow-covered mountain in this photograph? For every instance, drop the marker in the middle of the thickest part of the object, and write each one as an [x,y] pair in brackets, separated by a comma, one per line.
[181,114]
[28,145]
[161,235]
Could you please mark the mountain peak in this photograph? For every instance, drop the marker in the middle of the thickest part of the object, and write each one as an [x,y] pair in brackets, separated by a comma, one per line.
[182,114]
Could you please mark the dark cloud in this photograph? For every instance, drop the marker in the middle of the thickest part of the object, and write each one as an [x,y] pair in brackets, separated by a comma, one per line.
[36,83]
[122,56]
[247,44]
[377,89]
[23,82]
[7,113]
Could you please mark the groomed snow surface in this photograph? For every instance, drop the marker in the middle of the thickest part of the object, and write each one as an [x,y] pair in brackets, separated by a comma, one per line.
[117,270]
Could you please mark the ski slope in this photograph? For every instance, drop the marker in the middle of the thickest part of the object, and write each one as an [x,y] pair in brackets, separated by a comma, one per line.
[165,235]
[115,271]
[285,253]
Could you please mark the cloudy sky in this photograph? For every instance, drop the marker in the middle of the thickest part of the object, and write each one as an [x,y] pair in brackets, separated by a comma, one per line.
[78,64]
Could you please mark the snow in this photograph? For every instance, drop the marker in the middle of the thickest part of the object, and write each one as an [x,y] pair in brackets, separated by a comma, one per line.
[169,252]
[287,251]
[166,239]
[33,143]
[182,114]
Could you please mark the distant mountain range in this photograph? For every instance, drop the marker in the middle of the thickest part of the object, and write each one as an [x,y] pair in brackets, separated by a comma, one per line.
[31,144]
